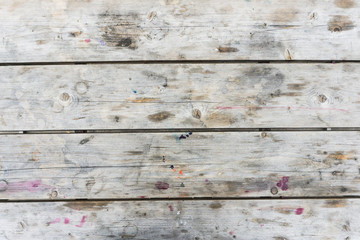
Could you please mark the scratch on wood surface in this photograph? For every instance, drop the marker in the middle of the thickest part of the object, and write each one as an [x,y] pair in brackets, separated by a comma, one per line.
[283,107]
[142,100]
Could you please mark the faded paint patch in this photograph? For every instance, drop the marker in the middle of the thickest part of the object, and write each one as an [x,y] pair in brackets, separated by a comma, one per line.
[30,186]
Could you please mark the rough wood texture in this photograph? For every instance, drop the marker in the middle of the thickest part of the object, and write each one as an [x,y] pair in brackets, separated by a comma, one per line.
[257,220]
[103,30]
[179,165]
[179,95]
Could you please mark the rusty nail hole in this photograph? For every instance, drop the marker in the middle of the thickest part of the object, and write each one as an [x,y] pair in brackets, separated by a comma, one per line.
[196,113]
[337,29]
[264,134]
[322,98]
[64,97]
[274,190]
[3,185]
[54,194]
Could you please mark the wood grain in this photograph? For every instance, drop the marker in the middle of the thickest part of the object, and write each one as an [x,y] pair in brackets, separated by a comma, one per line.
[255,219]
[141,96]
[176,165]
[106,30]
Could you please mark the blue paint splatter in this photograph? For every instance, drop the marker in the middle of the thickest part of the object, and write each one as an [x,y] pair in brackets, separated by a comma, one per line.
[134,91]
[177,138]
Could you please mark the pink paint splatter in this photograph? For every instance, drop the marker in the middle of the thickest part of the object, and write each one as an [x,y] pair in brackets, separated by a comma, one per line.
[82,222]
[284,107]
[206,180]
[87,40]
[30,186]
[57,220]
[171,208]
[261,225]
[283,183]
[299,211]
[66,221]
[231,233]
[142,196]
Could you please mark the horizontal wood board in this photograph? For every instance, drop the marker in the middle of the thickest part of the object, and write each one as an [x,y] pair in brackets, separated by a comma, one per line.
[179,165]
[117,96]
[107,30]
[255,219]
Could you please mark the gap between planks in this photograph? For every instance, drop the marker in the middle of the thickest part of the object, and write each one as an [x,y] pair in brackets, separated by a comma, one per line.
[170,130]
[178,199]
[182,62]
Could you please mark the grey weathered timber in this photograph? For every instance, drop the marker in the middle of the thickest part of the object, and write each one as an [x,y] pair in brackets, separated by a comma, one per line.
[200,220]
[176,165]
[109,30]
[179,96]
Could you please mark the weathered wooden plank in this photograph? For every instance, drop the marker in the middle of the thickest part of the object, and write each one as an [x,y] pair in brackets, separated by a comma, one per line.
[103,30]
[255,219]
[179,95]
[162,165]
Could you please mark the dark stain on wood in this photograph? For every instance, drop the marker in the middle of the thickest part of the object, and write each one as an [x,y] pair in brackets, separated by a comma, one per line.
[340,23]
[296,86]
[155,77]
[120,30]
[75,34]
[162,185]
[86,140]
[160,116]
[272,76]
[280,238]
[223,49]
[344,3]
[335,203]
[215,205]
[87,206]
[135,152]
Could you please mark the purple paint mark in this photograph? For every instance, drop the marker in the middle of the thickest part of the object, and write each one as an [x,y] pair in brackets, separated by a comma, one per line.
[82,222]
[30,186]
[262,225]
[87,40]
[57,220]
[247,191]
[299,211]
[283,183]
[284,107]
[66,221]
[102,43]
[171,208]
[206,180]
[162,185]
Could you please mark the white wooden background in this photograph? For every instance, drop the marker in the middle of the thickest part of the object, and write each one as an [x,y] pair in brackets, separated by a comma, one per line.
[174,119]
